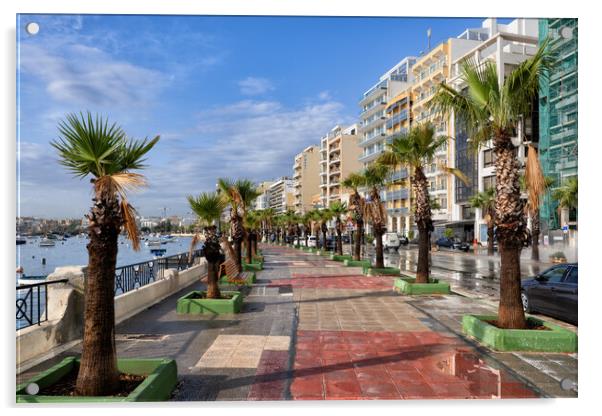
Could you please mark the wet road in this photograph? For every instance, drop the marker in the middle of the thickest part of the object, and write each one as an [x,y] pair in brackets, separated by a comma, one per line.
[476,273]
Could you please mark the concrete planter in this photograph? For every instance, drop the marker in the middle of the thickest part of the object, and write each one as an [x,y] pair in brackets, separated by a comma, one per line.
[252,267]
[251,278]
[162,377]
[356,263]
[386,271]
[557,339]
[408,286]
[187,304]
[344,257]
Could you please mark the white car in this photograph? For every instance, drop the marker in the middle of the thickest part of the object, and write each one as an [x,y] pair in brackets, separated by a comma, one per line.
[390,240]
[312,241]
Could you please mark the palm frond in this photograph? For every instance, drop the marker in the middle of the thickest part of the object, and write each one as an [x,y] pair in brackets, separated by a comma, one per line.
[455,172]
[534,179]
[128,214]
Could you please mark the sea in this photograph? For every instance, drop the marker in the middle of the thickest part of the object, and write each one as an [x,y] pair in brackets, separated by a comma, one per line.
[41,261]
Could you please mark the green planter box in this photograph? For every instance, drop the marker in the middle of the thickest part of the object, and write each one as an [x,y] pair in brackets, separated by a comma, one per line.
[258,259]
[337,257]
[251,278]
[188,305]
[356,263]
[162,377]
[557,339]
[387,271]
[407,286]
[252,267]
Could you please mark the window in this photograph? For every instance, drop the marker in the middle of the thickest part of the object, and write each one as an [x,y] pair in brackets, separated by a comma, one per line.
[572,276]
[555,275]
[488,158]
[489,182]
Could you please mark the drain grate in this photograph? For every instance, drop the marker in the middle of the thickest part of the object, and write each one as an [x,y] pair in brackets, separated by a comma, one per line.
[140,337]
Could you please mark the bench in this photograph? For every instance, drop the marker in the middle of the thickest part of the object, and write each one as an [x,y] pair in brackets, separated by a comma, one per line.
[229,270]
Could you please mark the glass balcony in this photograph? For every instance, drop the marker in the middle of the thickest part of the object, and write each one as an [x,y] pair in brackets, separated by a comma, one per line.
[397,118]
[398,212]
[395,195]
[399,175]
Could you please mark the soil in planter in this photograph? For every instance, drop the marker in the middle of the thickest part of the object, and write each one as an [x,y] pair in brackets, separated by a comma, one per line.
[533,326]
[204,296]
[66,385]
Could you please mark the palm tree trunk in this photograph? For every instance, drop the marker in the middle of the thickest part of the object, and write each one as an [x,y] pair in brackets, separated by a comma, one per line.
[424,223]
[511,231]
[212,280]
[378,234]
[98,374]
[214,257]
[422,268]
[324,240]
[248,253]
[357,253]
[339,239]
[535,230]
[238,254]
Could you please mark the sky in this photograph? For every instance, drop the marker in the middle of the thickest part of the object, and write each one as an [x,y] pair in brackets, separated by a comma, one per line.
[230,96]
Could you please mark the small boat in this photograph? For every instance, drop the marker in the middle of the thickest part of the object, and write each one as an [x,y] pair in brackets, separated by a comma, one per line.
[29,280]
[21,240]
[158,251]
[153,243]
[47,242]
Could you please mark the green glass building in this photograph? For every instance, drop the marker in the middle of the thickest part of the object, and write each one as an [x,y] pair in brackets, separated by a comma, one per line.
[558,113]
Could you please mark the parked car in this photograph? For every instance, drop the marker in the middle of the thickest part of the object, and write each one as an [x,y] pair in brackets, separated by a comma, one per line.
[553,292]
[311,241]
[403,240]
[452,243]
[330,243]
[390,240]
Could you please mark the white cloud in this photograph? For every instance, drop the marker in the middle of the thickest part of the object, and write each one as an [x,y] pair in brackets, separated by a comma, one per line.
[255,86]
[89,76]
[324,95]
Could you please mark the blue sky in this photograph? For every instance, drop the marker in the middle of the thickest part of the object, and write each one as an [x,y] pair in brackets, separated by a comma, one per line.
[230,96]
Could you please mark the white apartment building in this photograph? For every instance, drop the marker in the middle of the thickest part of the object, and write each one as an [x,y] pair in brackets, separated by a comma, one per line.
[372,129]
[281,195]
[263,200]
[506,46]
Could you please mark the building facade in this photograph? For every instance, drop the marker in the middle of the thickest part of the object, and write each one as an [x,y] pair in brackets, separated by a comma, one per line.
[281,195]
[263,200]
[558,148]
[397,195]
[505,46]
[306,178]
[339,156]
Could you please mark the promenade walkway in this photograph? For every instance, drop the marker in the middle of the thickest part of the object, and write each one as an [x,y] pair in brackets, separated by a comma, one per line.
[313,329]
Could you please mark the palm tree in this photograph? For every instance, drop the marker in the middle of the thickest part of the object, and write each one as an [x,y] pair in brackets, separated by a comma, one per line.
[325,216]
[337,209]
[306,220]
[208,207]
[416,149]
[535,193]
[88,146]
[375,177]
[356,205]
[485,201]
[239,195]
[567,195]
[493,109]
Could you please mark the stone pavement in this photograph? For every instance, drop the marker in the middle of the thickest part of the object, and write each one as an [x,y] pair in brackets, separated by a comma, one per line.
[313,329]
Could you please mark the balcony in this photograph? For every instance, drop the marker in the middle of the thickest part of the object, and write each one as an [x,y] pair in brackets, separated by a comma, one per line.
[373,138]
[373,121]
[397,104]
[395,195]
[378,88]
[334,160]
[398,212]
[369,157]
[374,105]
[399,175]
[397,118]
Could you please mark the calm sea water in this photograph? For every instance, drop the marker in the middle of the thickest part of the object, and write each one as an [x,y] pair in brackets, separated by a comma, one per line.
[72,252]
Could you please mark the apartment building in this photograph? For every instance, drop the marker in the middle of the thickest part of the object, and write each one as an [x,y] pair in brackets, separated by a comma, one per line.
[373,103]
[306,178]
[281,195]
[397,195]
[339,154]
[558,147]
[506,46]
[430,70]
[263,200]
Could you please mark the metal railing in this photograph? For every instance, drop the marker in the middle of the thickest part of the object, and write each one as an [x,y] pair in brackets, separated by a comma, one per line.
[133,276]
[31,303]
